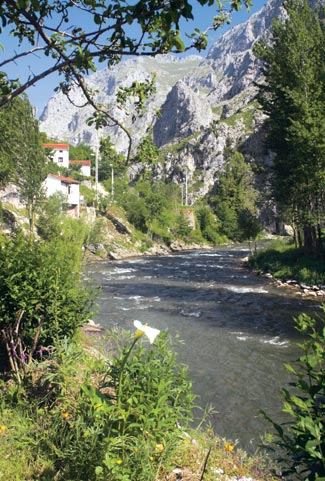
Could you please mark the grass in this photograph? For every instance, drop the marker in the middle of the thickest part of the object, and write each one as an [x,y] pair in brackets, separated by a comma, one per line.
[204,455]
[284,261]
[63,420]
[245,116]
[201,452]
[19,459]
[180,145]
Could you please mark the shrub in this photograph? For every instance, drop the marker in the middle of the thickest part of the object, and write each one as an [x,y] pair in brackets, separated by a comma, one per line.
[43,296]
[183,227]
[300,443]
[117,419]
[209,226]
[82,417]
[285,261]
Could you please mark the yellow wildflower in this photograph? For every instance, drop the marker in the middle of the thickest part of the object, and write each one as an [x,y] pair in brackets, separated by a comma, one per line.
[229,447]
[2,427]
[151,458]
[159,447]
[184,441]
[65,415]
[119,461]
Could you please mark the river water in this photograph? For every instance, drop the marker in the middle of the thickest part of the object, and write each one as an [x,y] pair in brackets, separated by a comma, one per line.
[237,328]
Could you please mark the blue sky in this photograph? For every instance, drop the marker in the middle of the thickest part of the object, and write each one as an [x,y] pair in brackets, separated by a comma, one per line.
[44,90]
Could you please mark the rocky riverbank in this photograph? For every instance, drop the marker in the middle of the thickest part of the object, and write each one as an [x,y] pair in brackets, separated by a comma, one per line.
[98,252]
[301,290]
[297,288]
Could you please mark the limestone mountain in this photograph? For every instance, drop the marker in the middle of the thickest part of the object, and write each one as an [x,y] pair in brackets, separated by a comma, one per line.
[64,120]
[217,83]
[203,106]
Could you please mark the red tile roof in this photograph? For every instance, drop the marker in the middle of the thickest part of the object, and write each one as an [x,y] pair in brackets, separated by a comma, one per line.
[80,162]
[56,146]
[66,180]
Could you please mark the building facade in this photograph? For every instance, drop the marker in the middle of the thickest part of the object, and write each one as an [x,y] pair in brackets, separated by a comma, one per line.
[70,188]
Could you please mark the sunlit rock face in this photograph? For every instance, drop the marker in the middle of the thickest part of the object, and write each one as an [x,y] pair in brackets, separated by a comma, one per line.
[184,113]
[203,108]
[62,119]
[192,91]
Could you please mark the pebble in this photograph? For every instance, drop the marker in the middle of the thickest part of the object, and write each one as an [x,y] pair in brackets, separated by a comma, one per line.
[304,290]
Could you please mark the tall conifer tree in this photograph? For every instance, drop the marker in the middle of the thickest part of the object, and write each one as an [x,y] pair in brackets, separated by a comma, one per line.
[22,158]
[293,97]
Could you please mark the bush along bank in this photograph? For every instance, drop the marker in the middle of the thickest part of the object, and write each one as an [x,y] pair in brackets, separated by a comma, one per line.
[83,415]
[124,416]
[289,267]
[71,412]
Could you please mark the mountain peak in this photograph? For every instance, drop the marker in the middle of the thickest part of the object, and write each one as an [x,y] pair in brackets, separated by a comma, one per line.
[228,71]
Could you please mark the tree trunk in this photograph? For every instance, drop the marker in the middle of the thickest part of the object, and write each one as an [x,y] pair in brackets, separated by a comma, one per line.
[295,239]
[320,241]
[310,240]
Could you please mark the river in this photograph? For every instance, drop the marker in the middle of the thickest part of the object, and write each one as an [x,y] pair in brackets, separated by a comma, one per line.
[237,328]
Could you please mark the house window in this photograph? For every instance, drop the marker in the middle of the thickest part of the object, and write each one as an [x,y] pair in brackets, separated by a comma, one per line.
[60,159]
[69,189]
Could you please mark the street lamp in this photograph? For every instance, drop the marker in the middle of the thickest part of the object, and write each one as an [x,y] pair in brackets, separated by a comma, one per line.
[112,188]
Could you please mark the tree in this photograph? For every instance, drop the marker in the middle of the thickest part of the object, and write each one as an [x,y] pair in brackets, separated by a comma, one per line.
[293,97]
[148,155]
[147,152]
[136,211]
[109,158]
[9,148]
[72,38]
[235,193]
[183,227]
[208,224]
[50,220]
[21,152]
[249,226]
[80,152]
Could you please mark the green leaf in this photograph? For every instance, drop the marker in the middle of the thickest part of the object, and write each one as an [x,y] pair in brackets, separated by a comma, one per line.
[290,369]
[179,44]
[97,19]
[301,403]
[129,19]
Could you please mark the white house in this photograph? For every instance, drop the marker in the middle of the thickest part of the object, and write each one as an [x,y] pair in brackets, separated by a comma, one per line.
[85,166]
[60,154]
[70,188]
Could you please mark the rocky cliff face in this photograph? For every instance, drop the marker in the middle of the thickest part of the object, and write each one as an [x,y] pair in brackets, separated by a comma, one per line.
[209,84]
[65,121]
[183,114]
[232,59]
[201,106]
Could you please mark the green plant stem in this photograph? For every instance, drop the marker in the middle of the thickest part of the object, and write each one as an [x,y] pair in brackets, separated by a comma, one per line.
[120,381]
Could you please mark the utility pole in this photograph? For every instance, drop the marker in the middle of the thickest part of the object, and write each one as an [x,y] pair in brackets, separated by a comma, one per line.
[96,165]
[96,170]
[112,188]
[186,187]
